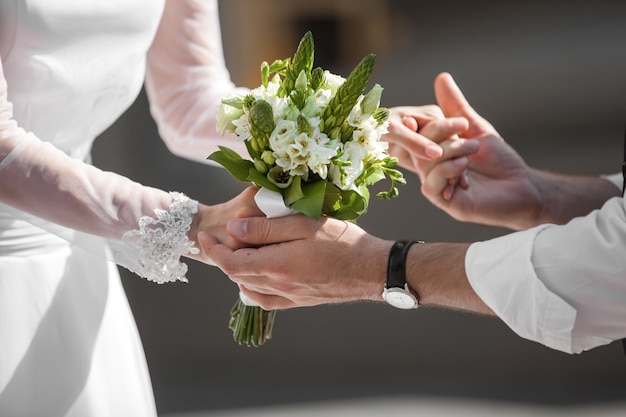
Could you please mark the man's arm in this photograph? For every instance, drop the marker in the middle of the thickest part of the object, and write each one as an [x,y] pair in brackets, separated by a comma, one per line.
[333,261]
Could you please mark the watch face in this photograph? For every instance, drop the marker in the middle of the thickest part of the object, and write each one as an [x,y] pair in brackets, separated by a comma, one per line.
[400,298]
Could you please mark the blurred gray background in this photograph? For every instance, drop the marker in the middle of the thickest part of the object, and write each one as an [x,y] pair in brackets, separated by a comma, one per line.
[551,76]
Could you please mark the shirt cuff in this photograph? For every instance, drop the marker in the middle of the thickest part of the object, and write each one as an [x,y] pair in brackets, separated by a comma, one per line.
[501,272]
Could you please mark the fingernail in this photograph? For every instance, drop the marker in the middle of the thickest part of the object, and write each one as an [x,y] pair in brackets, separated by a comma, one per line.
[448,192]
[238,227]
[433,151]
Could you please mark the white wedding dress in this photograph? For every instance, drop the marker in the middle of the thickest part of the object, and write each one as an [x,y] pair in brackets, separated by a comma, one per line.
[69,69]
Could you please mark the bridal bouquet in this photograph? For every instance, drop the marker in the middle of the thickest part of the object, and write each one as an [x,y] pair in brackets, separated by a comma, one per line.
[315,143]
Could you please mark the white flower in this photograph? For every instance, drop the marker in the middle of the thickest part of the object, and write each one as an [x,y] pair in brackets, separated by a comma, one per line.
[357,119]
[270,94]
[354,153]
[323,96]
[322,151]
[225,118]
[242,127]
[311,107]
[297,155]
[333,81]
[369,139]
[283,134]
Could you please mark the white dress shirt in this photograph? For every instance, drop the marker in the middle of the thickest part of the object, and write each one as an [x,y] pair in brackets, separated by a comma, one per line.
[562,286]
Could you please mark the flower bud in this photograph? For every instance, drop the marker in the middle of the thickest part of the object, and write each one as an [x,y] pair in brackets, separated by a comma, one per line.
[371,100]
[268,157]
[254,143]
[265,73]
[381,115]
[260,166]
[301,81]
[317,78]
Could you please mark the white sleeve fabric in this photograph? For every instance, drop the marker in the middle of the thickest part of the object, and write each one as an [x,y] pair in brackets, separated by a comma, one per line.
[187,78]
[562,286]
[77,201]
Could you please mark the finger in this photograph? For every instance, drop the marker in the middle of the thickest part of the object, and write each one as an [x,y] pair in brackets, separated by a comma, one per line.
[241,265]
[410,123]
[453,103]
[405,134]
[205,242]
[455,148]
[451,99]
[421,114]
[437,185]
[262,230]
[440,130]
[452,148]
[266,301]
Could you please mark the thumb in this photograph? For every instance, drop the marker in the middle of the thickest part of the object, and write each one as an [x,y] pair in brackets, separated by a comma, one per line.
[450,98]
[263,230]
[453,103]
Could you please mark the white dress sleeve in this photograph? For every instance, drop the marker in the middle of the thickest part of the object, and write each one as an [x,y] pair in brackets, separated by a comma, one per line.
[187,78]
[147,227]
[562,286]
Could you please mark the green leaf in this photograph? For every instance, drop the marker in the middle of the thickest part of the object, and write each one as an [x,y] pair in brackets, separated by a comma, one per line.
[345,204]
[229,159]
[236,102]
[294,192]
[332,199]
[353,205]
[313,200]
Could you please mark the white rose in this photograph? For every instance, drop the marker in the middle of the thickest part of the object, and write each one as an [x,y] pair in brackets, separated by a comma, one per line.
[333,81]
[227,114]
[284,133]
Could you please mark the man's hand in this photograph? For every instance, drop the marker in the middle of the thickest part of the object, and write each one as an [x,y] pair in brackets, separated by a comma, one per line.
[305,263]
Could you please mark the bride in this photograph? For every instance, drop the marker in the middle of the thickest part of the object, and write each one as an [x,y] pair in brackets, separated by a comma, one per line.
[69,68]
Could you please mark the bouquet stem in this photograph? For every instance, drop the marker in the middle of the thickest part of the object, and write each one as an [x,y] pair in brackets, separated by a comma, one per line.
[251,326]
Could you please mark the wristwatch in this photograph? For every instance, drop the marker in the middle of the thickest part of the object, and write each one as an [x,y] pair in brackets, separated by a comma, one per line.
[396,292]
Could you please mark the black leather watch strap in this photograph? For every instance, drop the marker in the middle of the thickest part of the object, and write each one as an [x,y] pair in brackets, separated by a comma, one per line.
[396,267]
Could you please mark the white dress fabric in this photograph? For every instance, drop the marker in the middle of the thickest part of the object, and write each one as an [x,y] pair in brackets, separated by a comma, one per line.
[68,342]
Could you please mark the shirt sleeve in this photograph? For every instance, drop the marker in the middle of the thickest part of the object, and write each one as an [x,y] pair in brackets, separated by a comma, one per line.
[187,78]
[562,286]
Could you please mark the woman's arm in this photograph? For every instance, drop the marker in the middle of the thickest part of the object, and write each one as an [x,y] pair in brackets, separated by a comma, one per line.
[187,78]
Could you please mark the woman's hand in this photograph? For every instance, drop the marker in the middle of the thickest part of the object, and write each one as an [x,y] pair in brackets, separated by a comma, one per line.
[212,221]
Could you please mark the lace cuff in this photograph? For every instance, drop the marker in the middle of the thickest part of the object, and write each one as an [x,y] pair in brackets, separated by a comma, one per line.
[159,243]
